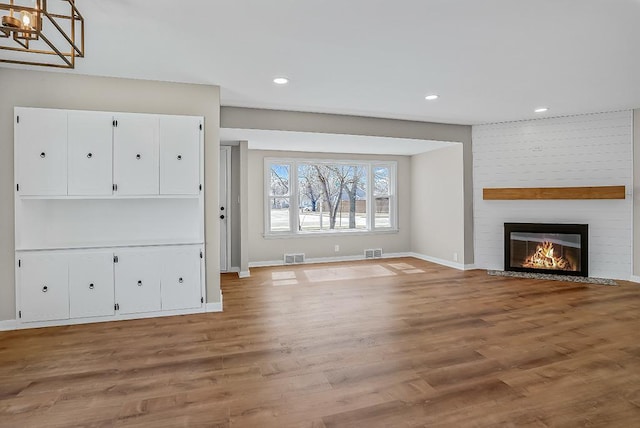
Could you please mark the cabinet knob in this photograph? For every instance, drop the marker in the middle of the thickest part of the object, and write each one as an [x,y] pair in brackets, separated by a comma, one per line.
[89,155]
[45,289]
[221,216]
[138,156]
[43,155]
[179,157]
[91,287]
[139,283]
[180,280]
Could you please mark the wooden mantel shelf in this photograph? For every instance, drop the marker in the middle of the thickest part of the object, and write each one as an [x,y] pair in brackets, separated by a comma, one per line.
[520,193]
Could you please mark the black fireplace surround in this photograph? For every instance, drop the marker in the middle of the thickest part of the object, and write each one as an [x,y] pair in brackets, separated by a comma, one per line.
[560,249]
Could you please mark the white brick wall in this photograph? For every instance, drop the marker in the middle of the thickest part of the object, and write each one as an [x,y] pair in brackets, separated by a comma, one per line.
[585,150]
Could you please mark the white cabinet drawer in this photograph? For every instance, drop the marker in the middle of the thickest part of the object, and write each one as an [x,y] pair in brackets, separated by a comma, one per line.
[43,286]
[91,289]
[180,281]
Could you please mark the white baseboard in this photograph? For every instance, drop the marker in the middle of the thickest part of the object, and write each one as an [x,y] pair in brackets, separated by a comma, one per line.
[266,263]
[244,274]
[471,266]
[7,325]
[635,278]
[16,325]
[214,306]
[233,269]
[443,262]
[327,259]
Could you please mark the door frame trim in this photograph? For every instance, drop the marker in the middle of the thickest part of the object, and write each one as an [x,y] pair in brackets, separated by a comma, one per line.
[226,152]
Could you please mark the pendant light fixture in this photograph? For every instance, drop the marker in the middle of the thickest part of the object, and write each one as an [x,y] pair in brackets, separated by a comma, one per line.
[41,32]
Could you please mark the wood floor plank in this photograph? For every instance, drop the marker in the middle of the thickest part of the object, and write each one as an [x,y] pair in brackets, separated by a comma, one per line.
[376,343]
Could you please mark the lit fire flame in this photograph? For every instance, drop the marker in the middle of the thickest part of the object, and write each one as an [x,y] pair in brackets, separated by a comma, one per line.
[543,258]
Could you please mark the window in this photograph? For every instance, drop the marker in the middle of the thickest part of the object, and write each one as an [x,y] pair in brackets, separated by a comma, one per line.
[315,196]
[280,198]
[382,196]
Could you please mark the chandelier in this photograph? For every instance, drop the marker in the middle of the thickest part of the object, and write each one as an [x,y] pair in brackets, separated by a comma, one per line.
[38,32]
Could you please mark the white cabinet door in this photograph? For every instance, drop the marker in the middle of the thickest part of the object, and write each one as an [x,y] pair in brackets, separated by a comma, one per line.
[179,155]
[135,153]
[90,153]
[137,280]
[91,292]
[44,287]
[180,280]
[41,150]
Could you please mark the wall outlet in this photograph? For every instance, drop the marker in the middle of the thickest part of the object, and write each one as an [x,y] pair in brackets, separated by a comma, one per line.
[336,248]
[455,257]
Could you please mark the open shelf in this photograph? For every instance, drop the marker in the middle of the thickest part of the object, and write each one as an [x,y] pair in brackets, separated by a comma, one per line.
[109,222]
[116,244]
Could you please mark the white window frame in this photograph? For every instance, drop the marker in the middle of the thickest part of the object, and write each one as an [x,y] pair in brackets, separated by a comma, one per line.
[393,199]
[294,196]
[267,196]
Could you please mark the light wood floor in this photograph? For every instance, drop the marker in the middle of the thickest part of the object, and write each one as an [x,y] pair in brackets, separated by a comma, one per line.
[392,343]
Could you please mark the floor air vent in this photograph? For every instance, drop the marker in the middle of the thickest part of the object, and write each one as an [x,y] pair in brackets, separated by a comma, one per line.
[373,253]
[291,259]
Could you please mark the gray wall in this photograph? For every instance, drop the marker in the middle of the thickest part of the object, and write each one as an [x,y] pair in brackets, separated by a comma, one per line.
[246,118]
[72,91]
[272,249]
[437,201]
[636,192]
[244,208]
[234,208]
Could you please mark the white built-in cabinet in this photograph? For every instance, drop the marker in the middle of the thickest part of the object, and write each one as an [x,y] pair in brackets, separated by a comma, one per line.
[42,152]
[89,153]
[109,215]
[43,284]
[91,286]
[135,154]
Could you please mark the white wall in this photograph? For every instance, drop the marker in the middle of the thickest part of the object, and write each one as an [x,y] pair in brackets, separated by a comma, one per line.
[585,150]
[636,193]
[244,208]
[437,204]
[273,249]
[73,91]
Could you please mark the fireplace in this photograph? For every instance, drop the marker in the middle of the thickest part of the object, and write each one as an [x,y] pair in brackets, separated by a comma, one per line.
[560,249]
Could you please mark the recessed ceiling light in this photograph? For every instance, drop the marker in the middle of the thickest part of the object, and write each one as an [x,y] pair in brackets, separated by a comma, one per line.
[431,97]
[541,109]
[280,80]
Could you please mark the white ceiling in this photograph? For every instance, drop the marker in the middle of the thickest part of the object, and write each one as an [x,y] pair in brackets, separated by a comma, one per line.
[489,60]
[259,139]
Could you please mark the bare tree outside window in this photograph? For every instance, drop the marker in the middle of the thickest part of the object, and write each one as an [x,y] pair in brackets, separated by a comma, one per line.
[329,196]
[355,188]
[332,196]
[382,196]
[279,198]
